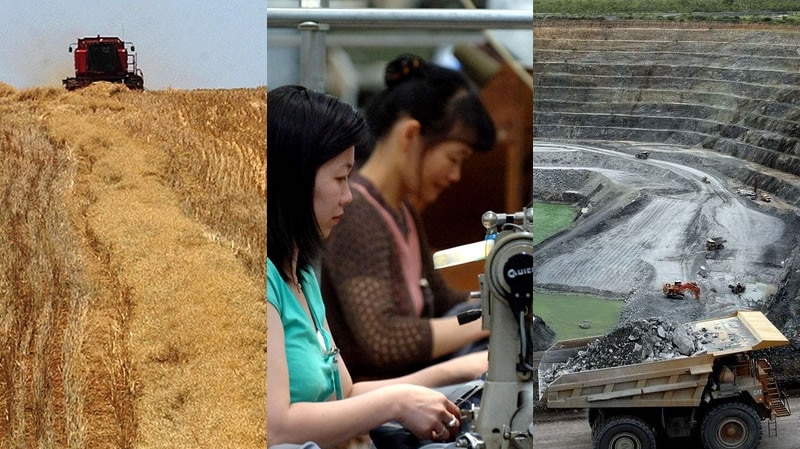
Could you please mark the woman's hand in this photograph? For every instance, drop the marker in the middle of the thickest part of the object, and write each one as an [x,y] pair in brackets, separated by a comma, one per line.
[460,369]
[428,414]
[473,365]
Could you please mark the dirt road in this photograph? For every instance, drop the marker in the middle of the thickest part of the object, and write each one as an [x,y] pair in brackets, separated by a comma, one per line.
[576,434]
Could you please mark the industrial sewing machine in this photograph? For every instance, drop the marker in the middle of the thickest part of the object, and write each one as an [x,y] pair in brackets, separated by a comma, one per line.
[497,410]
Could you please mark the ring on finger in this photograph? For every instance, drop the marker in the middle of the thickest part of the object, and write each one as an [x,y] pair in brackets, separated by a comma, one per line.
[452,422]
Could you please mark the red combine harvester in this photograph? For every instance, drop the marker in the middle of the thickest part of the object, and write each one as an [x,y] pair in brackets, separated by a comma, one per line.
[104,58]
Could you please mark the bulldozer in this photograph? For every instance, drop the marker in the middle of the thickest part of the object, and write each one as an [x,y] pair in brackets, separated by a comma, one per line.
[104,58]
[678,289]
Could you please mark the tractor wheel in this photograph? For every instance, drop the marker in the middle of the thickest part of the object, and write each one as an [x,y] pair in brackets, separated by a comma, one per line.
[731,425]
[623,432]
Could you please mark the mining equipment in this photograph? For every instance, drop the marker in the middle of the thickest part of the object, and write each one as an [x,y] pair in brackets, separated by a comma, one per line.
[104,58]
[719,395]
[748,193]
[678,289]
[737,289]
[642,155]
[715,243]
[760,193]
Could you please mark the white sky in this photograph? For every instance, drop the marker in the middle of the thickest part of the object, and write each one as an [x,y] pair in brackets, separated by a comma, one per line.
[181,44]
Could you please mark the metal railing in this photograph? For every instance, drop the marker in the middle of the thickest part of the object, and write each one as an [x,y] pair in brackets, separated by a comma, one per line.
[432,19]
[314,23]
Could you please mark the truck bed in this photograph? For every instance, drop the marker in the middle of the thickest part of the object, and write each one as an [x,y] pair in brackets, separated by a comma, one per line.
[673,382]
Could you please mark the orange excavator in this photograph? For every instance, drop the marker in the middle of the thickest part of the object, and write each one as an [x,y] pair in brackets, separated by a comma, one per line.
[678,289]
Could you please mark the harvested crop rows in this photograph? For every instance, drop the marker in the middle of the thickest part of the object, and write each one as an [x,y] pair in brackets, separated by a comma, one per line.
[131,268]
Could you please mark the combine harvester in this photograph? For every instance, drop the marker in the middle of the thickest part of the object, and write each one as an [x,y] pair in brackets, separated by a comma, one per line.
[104,58]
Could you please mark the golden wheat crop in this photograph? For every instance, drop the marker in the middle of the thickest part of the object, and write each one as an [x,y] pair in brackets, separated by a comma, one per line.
[132,268]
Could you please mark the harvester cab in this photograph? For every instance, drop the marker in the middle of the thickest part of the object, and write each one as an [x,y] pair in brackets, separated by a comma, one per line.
[496,410]
[104,58]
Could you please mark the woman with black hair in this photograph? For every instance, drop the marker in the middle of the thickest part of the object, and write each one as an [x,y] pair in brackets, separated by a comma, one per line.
[310,394]
[386,304]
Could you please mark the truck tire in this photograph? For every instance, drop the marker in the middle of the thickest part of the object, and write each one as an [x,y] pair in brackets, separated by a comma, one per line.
[623,432]
[731,425]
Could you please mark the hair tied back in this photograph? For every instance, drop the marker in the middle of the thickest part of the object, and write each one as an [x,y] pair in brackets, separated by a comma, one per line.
[403,68]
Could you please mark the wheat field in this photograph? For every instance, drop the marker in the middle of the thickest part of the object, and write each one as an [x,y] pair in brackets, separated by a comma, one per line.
[132,309]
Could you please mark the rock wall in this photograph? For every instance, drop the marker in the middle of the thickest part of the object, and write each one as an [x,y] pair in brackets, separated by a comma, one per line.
[724,89]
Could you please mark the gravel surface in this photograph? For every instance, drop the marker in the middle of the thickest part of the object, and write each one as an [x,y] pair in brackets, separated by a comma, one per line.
[644,222]
[635,341]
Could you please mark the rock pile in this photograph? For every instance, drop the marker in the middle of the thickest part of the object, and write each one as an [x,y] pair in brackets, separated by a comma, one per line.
[634,342]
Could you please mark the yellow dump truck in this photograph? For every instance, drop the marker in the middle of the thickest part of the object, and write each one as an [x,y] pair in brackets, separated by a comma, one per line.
[720,396]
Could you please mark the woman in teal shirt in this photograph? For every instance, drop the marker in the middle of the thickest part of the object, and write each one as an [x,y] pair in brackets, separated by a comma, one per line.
[310,394]
[309,353]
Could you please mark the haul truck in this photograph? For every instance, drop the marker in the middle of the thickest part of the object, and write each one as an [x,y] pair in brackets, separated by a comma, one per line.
[720,396]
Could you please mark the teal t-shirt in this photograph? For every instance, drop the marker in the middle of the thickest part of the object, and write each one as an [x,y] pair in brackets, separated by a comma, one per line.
[313,374]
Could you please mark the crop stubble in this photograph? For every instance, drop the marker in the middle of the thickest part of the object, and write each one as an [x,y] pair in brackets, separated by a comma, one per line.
[131,268]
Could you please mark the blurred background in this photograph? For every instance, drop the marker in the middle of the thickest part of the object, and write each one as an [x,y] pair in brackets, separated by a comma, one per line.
[356,58]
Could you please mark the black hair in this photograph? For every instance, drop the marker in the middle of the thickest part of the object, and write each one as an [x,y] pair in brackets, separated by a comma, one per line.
[444,101]
[305,129]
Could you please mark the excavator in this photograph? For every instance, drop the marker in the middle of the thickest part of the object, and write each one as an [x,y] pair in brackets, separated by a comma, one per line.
[678,289]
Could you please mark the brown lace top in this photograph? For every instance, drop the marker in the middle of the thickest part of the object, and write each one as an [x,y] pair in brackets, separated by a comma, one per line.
[369,307]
